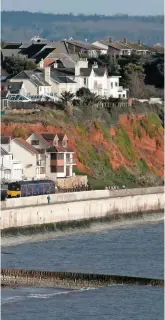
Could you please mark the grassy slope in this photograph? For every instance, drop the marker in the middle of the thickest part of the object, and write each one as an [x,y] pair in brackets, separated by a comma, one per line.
[122,156]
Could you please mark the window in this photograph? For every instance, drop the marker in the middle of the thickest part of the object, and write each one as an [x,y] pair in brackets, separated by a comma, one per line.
[42,170]
[68,156]
[64,143]
[123,95]
[57,169]
[119,95]
[85,81]
[35,142]
[111,84]
[56,143]
[53,156]
[116,84]
[60,156]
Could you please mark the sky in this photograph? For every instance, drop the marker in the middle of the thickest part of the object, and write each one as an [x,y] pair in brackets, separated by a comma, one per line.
[108,7]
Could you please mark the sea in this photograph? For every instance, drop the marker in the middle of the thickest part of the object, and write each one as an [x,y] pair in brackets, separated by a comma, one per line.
[128,249]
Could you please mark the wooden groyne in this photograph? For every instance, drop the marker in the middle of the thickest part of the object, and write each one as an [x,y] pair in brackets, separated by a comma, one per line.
[15,277]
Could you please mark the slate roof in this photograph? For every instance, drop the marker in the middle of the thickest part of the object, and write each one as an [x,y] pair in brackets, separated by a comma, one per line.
[36,76]
[12,45]
[26,145]
[5,139]
[43,54]
[33,49]
[59,149]
[15,87]
[84,72]
[49,137]
[60,77]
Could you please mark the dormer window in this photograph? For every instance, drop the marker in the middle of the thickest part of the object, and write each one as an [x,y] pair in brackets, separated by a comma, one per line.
[64,143]
[56,143]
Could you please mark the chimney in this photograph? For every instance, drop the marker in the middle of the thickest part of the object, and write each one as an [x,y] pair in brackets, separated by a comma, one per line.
[55,65]
[139,42]
[125,40]
[77,69]
[110,40]
[47,74]
[42,63]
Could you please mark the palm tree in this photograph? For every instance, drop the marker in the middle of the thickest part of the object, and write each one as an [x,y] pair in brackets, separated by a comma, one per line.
[94,98]
[67,97]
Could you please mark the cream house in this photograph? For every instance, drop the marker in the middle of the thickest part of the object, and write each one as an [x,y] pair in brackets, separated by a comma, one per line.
[59,156]
[34,82]
[33,160]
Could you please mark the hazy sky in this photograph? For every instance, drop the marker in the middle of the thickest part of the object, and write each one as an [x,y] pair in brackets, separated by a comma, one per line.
[108,7]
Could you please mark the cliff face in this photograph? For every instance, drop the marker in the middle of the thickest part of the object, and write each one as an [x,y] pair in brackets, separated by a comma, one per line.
[133,148]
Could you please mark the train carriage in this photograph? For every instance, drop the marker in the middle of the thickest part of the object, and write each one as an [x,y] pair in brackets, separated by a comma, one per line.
[30,188]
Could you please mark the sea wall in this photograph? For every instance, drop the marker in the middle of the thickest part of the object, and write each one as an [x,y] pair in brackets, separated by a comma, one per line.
[11,277]
[80,206]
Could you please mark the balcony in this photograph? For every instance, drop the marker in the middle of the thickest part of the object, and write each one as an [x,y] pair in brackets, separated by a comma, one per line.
[71,161]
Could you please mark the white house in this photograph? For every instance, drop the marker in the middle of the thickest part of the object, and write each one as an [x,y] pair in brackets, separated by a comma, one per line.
[59,157]
[96,79]
[33,161]
[11,169]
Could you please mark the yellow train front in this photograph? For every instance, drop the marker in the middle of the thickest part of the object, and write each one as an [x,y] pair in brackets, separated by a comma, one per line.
[30,188]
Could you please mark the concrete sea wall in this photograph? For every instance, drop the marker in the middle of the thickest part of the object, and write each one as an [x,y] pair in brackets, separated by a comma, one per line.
[80,206]
[10,277]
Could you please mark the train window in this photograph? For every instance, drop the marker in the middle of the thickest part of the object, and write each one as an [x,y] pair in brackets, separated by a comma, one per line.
[14,187]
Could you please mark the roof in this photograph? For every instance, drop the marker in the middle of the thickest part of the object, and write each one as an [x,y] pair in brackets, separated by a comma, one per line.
[50,136]
[59,149]
[15,87]
[26,145]
[43,54]
[4,152]
[99,71]
[12,45]
[118,45]
[5,139]
[135,46]
[60,77]
[83,44]
[33,49]
[11,52]
[36,76]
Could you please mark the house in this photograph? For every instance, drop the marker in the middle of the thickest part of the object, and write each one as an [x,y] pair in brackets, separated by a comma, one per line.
[33,160]
[103,45]
[35,82]
[59,156]
[83,48]
[137,48]
[117,48]
[11,169]
[95,78]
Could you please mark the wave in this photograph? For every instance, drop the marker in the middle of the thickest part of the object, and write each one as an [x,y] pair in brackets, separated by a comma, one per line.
[15,299]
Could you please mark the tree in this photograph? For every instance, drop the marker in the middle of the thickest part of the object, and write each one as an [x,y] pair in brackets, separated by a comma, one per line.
[82,92]
[67,97]
[111,63]
[133,79]
[14,65]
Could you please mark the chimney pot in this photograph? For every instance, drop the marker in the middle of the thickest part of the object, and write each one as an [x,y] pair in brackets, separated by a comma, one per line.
[125,40]
[110,40]
[139,42]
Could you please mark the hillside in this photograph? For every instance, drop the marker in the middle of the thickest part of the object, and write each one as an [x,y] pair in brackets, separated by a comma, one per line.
[22,26]
[130,153]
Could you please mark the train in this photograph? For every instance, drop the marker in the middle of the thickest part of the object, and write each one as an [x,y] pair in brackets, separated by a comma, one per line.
[30,188]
